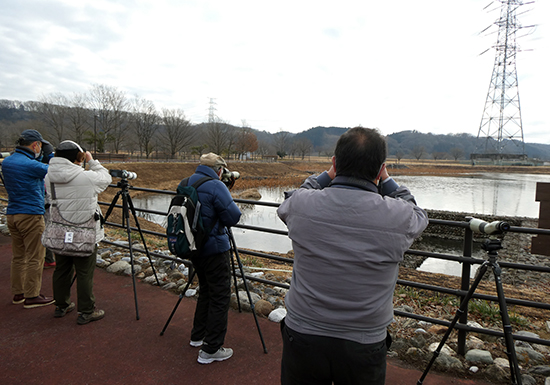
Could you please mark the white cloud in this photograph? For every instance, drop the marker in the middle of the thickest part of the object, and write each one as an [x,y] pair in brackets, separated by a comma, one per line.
[286,65]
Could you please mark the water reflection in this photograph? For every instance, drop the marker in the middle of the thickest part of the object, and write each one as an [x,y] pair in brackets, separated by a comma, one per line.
[485,193]
[262,216]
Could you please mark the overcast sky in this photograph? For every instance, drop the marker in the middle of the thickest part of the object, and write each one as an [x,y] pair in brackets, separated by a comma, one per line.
[286,65]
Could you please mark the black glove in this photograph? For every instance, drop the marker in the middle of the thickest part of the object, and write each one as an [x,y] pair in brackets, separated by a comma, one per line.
[47,150]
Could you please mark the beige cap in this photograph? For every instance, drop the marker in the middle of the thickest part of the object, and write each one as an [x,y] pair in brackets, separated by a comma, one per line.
[212,160]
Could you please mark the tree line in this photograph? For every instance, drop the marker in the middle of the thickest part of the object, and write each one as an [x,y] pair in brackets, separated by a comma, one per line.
[105,119]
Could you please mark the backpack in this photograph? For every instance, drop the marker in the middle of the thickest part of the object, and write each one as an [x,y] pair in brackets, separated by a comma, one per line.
[185,230]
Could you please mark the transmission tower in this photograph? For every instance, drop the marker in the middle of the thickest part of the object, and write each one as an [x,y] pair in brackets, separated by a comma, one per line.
[501,122]
[212,111]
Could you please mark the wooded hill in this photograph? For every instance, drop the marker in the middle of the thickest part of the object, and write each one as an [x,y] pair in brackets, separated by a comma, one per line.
[138,133]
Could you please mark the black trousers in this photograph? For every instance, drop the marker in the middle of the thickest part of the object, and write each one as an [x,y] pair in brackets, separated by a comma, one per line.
[316,360]
[210,322]
[62,281]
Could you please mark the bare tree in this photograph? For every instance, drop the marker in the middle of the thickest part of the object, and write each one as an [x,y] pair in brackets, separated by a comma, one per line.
[417,152]
[10,131]
[303,146]
[456,152]
[264,148]
[292,148]
[217,136]
[232,136]
[399,155]
[52,111]
[327,151]
[78,117]
[439,155]
[178,132]
[145,123]
[281,142]
[109,106]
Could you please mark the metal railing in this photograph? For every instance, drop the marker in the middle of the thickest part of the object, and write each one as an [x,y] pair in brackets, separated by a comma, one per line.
[466,259]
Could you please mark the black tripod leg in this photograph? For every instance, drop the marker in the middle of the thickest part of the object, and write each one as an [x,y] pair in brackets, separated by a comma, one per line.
[133,210]
[191,277]
[459,312]
[232,241]
[235,281]
[112,205]
[507,327]
[126,218]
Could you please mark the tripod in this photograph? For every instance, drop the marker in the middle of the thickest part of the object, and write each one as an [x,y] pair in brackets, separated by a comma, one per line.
[127,206]
[491,246]
[234,255]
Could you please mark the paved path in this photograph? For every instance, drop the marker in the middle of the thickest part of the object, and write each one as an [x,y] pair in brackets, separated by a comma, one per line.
[36,348]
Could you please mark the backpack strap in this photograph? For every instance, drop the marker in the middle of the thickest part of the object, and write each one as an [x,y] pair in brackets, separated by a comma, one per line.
[52,192]
[199,182]
[196,186]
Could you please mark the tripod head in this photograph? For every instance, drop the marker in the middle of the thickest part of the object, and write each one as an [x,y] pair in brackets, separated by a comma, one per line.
[123,184]
[491,245]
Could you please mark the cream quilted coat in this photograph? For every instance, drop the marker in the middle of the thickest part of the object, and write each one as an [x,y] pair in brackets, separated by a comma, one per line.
[76,189]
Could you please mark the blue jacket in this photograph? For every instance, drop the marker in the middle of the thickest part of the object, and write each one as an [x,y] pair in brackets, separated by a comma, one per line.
[24,180]
[217,209]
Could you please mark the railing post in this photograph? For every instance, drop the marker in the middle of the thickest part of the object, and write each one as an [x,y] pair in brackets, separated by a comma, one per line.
[465,286]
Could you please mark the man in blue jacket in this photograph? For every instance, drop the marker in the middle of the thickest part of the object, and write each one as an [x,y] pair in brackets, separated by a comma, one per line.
[349,228]
[218,211]
[24,181]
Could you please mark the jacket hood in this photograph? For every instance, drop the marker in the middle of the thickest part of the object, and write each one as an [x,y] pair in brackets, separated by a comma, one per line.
[61,170]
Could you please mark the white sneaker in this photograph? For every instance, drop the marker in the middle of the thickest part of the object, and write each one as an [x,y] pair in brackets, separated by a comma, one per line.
[195,344]
[221,355]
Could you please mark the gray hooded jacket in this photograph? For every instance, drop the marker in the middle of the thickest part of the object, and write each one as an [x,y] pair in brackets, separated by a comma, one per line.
[348,240]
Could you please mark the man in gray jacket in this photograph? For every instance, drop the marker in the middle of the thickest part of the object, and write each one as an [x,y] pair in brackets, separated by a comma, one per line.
[349,227]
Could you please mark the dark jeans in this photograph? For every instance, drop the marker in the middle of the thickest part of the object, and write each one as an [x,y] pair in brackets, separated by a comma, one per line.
[210,322]
[63,278]
[316,360]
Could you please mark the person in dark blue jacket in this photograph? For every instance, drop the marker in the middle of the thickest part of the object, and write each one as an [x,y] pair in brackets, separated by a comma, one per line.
[24,181]
[218,211]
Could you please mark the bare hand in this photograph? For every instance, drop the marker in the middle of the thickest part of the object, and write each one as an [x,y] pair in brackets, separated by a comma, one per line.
[332,172]
[384,173]
[88,156]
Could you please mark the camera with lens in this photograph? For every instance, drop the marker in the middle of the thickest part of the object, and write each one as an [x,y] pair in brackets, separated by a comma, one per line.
[123,174]
[492,228]
[229,177]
